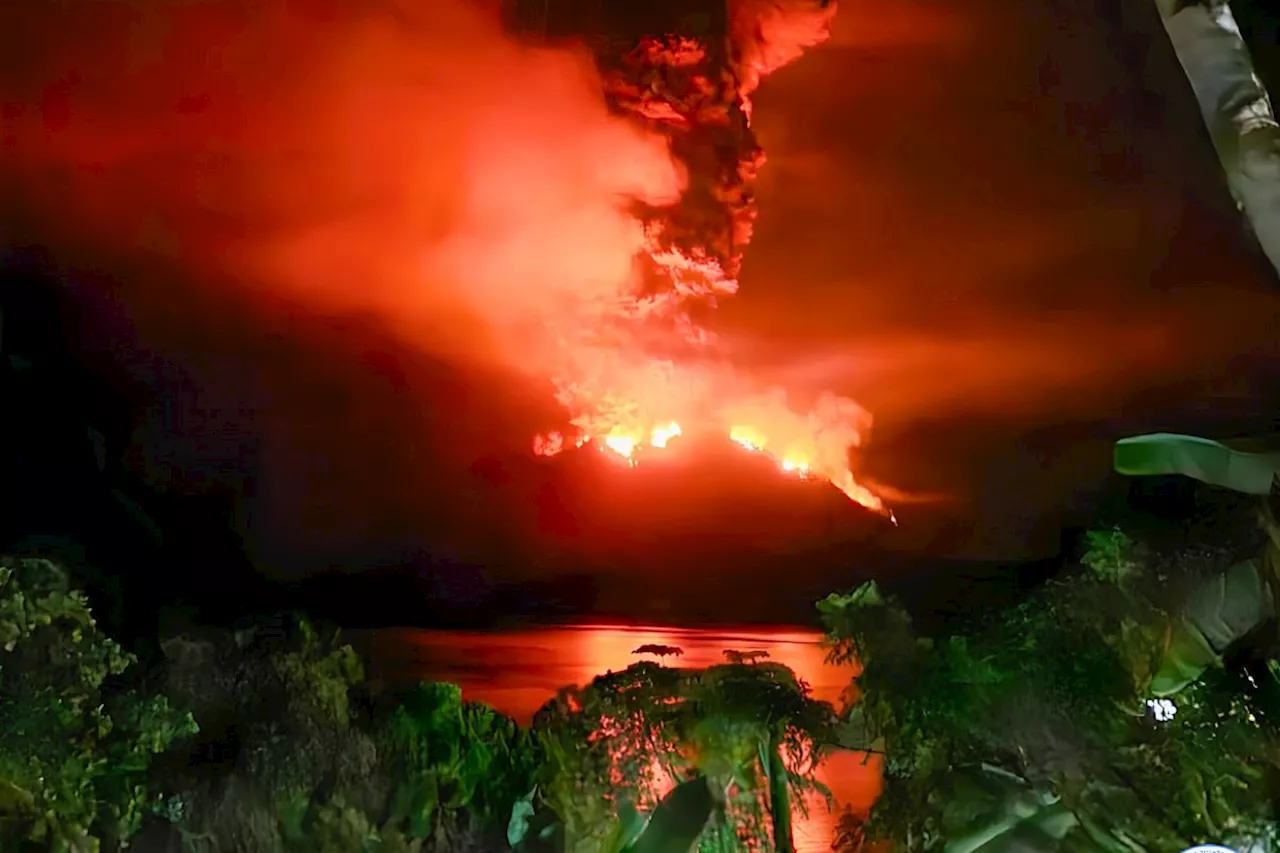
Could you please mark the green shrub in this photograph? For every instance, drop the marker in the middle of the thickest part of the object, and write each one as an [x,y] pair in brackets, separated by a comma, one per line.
[74,755]
[277,716]
[456,767]
[306,762]
[1038,724]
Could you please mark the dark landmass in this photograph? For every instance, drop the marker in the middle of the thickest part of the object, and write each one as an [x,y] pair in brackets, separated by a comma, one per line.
[705,535]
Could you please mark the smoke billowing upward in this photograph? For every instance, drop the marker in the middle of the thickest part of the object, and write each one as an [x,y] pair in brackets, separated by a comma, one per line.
[409,161]
[482,197]
[692,87]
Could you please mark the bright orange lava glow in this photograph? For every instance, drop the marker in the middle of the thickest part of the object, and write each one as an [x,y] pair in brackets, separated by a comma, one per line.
[793,466]
[623,445]
[747,437]
[664,433]
[795,459]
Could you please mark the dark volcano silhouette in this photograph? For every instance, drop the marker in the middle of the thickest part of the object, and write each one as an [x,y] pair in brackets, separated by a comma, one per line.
[229,463]
[694,496]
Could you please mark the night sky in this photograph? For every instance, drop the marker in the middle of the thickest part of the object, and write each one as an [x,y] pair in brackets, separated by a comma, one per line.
[1003,228]
[997,226]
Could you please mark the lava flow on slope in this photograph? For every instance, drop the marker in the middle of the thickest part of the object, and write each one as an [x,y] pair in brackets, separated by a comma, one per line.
[651,369]
[561,216]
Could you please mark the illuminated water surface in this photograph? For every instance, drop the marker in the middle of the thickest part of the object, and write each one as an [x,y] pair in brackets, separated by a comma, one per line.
[517,671]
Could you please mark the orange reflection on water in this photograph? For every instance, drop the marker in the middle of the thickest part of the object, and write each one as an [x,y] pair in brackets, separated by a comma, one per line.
[516,672]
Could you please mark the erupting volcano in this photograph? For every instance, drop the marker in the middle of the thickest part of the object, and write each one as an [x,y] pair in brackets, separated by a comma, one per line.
[651,369]
[565,218]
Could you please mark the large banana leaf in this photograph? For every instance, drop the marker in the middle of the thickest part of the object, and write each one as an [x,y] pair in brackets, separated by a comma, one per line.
[1201,459]
[1004,813]
[1186,657]
[1227,606]
[857,733]
[678,820]
[672,827]
[1222,609]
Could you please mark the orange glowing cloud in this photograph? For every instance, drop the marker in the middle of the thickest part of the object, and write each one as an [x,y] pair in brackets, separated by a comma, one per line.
[415,163]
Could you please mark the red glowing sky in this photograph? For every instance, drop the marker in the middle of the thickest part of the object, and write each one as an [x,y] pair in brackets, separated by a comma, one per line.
[993,233]
[1004,236]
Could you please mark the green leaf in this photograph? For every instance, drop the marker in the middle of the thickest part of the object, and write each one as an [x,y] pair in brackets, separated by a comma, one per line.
[1198,458]
[1185,660]
[678,820]
[1228,605]
[521,813]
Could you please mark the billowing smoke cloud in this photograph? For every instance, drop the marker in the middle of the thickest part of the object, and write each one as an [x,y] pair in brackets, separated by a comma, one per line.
[414,162]
[693,86]
[407,160]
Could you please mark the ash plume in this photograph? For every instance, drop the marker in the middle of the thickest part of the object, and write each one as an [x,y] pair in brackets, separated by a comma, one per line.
[692,85]
[416,163]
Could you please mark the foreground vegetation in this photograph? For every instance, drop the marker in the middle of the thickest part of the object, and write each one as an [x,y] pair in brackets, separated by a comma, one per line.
[1130,705]
[270,740]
